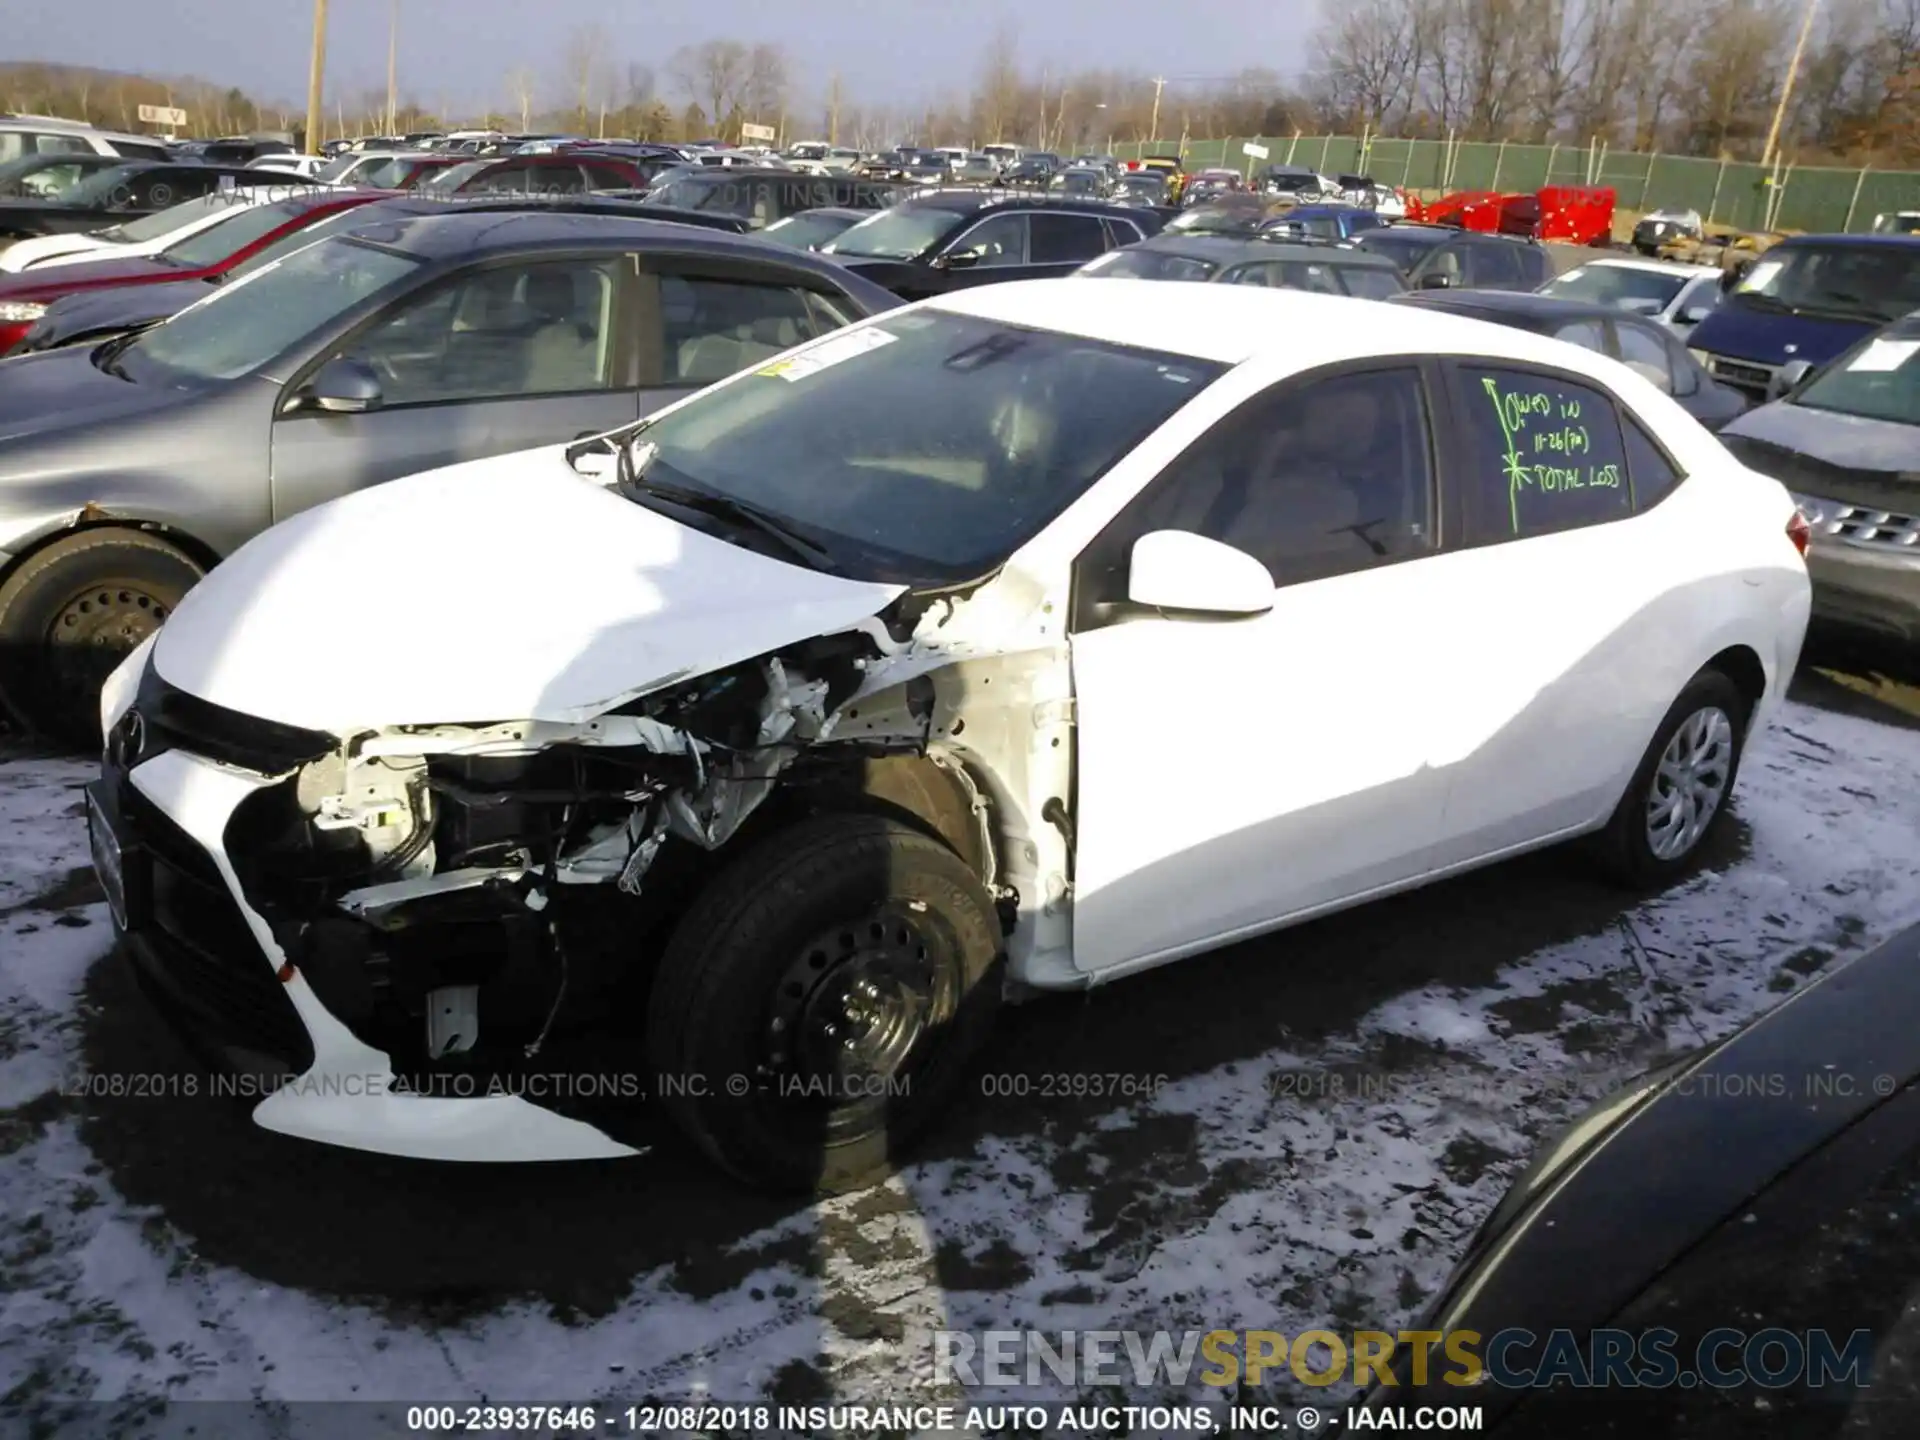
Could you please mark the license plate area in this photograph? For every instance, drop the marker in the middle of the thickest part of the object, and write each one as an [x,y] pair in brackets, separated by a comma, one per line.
[122,867]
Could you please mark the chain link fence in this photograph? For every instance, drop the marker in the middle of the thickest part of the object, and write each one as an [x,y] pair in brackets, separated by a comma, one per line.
[1823,199]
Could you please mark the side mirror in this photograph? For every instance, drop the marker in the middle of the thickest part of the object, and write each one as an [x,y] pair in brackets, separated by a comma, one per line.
[1789,377]
[344,387]
[959,260]
[1436,281]
[1178,570]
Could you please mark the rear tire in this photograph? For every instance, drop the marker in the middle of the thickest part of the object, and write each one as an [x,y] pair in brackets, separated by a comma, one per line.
[818,1004]
[70,613]
[1679,794]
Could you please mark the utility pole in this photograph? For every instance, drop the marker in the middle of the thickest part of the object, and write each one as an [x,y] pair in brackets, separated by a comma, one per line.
[1786,89]
[316,116]
[393,69]
[1153,125]
[833,111]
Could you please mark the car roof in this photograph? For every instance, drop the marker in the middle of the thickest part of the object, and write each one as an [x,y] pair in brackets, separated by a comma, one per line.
[1230,249]
[1658,267]
[1279,330]
[453,230]
[1528,303]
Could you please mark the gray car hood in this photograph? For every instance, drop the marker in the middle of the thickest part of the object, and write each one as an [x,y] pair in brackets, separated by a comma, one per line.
[60,390]
[1846,442]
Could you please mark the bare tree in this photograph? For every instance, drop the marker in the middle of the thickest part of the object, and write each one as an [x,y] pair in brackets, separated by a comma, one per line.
[714,75]
[763,88]
[523,89]
[997,101]
[587,68]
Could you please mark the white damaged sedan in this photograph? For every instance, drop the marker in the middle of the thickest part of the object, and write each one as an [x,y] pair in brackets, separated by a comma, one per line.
[1017,640]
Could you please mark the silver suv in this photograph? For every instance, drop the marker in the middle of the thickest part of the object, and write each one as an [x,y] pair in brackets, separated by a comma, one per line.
[22,135]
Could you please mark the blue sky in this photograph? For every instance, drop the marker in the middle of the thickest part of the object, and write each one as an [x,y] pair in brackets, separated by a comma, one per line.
[460,50]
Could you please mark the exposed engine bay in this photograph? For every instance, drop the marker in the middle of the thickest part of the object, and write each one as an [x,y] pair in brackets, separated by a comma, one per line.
[469,897]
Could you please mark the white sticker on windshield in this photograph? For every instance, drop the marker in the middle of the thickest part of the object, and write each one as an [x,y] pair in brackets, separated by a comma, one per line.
[1884,355]
[1762,275]
[827,352]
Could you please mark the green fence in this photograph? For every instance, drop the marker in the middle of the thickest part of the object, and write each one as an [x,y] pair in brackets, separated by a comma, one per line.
[1806,197]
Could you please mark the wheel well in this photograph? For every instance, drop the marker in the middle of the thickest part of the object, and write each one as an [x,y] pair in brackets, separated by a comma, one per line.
[1742,666]
[196,550]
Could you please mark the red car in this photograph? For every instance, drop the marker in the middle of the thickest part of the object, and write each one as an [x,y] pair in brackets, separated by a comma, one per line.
[204,255]
[554,174]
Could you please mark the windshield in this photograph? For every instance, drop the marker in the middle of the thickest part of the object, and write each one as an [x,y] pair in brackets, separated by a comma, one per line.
[1878,381]
[1646,292]
[1148,265]
[1404,249]
[925,450]
[388,174]
[339,165]
[1864,282]
[807,229]
[103,187]
[454,176]
[700,192]
[298,240]
[165,222]
[222,238]
[242,326]
[902,233]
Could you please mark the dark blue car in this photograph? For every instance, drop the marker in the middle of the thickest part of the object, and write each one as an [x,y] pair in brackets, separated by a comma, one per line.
[1808,298]
[1324,222]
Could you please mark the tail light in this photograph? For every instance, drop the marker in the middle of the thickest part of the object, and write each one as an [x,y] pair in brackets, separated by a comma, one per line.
[1800,533]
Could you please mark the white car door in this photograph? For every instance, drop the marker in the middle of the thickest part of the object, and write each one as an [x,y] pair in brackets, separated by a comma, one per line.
[1568,619]
[1234,772]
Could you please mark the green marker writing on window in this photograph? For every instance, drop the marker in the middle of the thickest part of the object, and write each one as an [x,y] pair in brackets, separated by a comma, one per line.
[1518,413]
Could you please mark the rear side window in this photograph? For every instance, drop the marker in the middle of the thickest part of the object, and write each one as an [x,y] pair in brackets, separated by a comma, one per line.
[1059,239]
[1545,454]
[1649,471]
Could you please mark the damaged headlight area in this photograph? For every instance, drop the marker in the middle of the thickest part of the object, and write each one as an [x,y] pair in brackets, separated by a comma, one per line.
[478,895]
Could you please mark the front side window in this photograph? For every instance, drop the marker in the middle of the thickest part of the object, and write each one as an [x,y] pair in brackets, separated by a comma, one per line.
[1493,265]
[716,328]
[245,324]
[1312,480]
[1404,249]
[925,448]
[544,329]
[999,240]
[1545,453]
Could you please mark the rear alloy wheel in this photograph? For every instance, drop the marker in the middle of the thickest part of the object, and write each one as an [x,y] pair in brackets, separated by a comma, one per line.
[1678,795]
[70,613]
[817,1005]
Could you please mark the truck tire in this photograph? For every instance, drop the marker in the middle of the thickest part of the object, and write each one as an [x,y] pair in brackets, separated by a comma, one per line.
[817,1005]
[70,612]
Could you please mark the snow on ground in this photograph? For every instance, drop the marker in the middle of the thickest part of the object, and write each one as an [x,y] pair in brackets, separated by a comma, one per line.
[1342,1105]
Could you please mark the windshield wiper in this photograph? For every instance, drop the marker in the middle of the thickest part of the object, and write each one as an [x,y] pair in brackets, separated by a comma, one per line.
[106,358]
[633,484]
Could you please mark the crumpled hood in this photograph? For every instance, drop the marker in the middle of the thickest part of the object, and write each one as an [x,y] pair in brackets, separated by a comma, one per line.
[87,311]
[1742,333]
[502,589]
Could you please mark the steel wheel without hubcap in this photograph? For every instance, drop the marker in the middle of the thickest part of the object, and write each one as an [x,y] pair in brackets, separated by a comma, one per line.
[1689,783]
[95,630]
[847,1016]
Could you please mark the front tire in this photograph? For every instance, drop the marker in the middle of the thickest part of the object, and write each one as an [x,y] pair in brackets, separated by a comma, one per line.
[818,1004]
[1679,793]
[70,613]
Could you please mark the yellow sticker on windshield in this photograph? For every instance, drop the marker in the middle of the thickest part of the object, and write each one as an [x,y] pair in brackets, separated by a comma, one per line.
[831,351]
